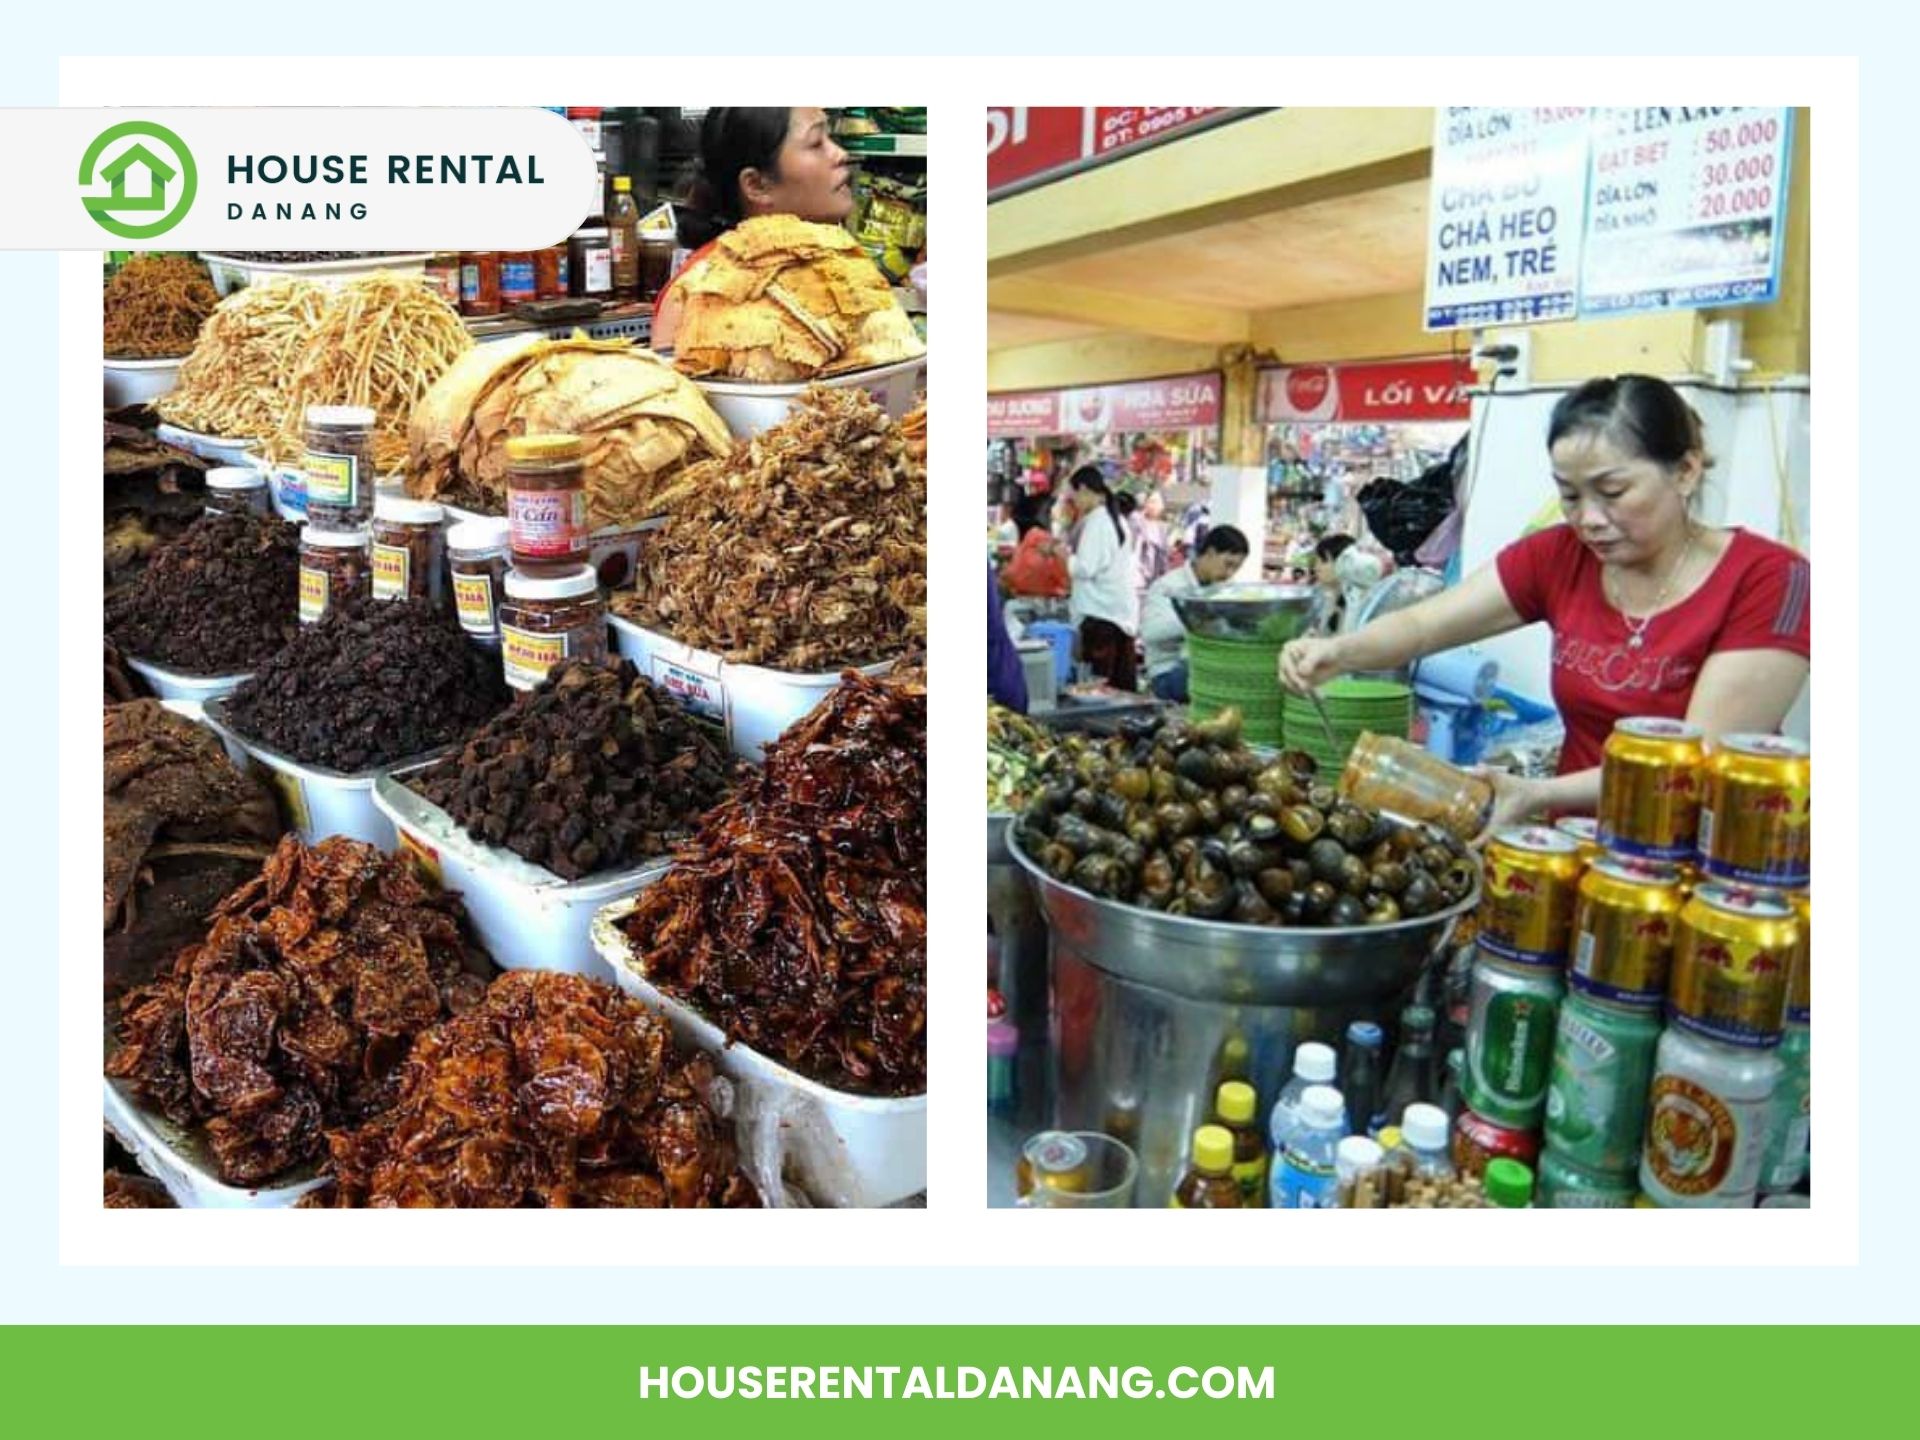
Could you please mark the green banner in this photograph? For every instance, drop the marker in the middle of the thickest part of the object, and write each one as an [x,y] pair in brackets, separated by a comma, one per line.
[354,1381]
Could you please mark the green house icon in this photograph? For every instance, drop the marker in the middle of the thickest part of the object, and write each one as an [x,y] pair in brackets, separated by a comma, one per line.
[140,183]
[159,175]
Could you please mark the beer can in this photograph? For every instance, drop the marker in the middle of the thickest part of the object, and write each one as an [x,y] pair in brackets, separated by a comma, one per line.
[1510,1030]
[1733,958]
[1623,931]
[1800,991]
[1477,1140]
[1597,1089]
[1567,1186]
[1526,902]
[1756,824]
[1053,1159]
[1584,831]
[1650,782]
[1707,1121]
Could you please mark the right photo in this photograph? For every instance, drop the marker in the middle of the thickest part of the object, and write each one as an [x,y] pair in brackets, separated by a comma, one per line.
[1399,632]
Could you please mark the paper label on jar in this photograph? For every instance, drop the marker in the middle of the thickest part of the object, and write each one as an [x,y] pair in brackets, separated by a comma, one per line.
[528,657]
[547,524]
[313,595]
[598,271]
[424,857]
[332,479]
[473,602]
[390,565]
[516,280]
[698,692]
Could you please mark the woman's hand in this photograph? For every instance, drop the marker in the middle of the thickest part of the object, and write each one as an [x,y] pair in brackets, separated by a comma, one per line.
[1307,664]
[1516,800]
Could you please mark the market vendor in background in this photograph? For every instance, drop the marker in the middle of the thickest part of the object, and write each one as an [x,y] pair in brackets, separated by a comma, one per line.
[1221,553]
[1103,603]
[1326,577]
[1653,613]
[1151,541]
[1037,569]
[757,160]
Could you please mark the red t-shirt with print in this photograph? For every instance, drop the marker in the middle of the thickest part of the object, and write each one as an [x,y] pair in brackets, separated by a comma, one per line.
[1757,598]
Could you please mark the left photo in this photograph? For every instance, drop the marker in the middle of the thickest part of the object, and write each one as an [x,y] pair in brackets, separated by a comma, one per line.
[514,740]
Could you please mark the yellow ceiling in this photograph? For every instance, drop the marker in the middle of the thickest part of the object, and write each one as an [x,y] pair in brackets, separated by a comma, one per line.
[1006,329]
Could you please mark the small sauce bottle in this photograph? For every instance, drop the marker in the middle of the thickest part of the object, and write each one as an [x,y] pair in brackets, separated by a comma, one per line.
[480,282]
[1209,1183]
[623,236]
[1234,1109]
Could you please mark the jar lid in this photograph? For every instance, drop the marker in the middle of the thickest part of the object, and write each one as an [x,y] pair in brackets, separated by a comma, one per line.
[404,511]
[1321,1106]
[583,112]
[334,539]
[235,477]
[545,447]
[580,580]
[622,182]
[591,232]
[340,417]
[487,533]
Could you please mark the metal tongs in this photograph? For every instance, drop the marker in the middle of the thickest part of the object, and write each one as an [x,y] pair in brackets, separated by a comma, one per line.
[1326,723]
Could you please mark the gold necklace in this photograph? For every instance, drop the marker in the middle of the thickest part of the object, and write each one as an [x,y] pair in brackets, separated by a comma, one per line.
[1637,629]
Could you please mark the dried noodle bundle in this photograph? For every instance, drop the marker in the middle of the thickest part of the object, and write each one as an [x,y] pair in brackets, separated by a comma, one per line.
[232,383]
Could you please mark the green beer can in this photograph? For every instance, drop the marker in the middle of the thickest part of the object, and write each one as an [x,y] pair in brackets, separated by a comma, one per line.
[1510,1031]
[1566,1186]
[1597,1091]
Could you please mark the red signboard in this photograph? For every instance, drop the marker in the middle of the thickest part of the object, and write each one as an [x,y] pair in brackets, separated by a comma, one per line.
[1117,128]
[1176,402]
[1025,142]
[1377,391]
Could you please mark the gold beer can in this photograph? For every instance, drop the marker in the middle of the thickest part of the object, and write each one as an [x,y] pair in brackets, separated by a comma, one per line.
[1584,831]
[1756,820]
[1624,925]
[1650,783]
[1733,963]
[1526,904]
[1800,992]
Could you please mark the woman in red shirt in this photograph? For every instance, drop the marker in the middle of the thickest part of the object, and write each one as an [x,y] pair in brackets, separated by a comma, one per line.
[1653,613]
[758,160]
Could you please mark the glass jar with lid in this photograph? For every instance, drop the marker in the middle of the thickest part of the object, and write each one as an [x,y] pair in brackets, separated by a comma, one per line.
[518,282]
[334,567]
[477,563]
[237,490]
[547,503]
[1387,773]
[339,466]
[407,548]
[550,618]
[590,263]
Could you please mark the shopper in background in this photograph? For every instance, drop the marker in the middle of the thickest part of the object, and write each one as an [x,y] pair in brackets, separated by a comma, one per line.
[1006,677]
[757,160]
[1103,603]
[1326,557]
[1652,612]
[1151,541]
[1221,553]
[1038,567]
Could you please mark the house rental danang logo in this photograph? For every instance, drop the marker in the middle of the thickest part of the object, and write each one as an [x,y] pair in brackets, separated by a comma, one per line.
[148,175]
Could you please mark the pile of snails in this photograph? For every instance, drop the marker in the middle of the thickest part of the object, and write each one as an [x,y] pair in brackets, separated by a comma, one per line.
[1182,818]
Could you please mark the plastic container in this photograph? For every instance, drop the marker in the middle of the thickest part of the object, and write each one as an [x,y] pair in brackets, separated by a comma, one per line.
[842,1149]
[238,490]
[1424,1143]
[183,1162]
[221,449]
[136,382]
[749,408]
[614,549]
[1304,1177]
[1397,776]
[1313,1064]
[231,272]
[754,705]
[179,685]
[546,619]
[477,562]
[408,550]
[319,802]
[527,917]
[335,565]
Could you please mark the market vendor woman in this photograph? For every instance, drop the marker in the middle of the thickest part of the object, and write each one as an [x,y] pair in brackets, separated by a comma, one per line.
[1653,612]
[758,160]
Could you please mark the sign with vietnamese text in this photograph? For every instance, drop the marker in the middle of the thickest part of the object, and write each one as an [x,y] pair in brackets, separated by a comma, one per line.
[1030,144]
[1374,392]
[1176,402]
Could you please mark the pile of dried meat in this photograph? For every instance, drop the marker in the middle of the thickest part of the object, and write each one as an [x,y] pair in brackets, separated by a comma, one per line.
[596,770]
[183,827]
[797,919]
[374,682]
[805,550]
[554,1091]
[216,601]
[781,300]
[294,1013]
[154,491]
[641,422]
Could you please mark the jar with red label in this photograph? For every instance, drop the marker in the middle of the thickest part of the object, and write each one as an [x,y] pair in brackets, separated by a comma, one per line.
[518,283]
[480,282]
[550,618]
[590,263]
[550,273]
[547,502]
[443,275]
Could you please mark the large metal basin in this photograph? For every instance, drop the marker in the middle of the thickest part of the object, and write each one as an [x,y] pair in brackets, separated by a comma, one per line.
[1273,614]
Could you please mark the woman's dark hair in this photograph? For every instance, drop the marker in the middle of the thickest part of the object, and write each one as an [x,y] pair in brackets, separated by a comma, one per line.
[1126,503]
[1644,413]
[1332,547]
[733,138]
[1223,539]
[1029,514]
[1088,477]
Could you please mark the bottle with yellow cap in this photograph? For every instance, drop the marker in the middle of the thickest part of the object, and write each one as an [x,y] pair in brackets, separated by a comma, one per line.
[1209,1183]
[1234,1108]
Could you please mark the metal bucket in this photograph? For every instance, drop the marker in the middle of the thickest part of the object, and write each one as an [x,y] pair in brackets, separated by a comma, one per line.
[1021,933]
[1150,1012]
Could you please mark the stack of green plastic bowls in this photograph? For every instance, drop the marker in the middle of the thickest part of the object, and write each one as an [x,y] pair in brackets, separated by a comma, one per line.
[1354,706]
[1240,673]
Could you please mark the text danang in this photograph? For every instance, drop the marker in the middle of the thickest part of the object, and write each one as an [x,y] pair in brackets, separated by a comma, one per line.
[401,169]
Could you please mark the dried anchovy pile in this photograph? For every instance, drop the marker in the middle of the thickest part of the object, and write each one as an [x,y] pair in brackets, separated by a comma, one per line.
[374,682]
[295,1012]
[805,550]
[555,1090]
[595,770]
[797,919]
[219,600]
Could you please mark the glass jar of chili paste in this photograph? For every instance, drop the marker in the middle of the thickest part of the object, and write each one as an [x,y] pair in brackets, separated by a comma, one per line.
[547,503]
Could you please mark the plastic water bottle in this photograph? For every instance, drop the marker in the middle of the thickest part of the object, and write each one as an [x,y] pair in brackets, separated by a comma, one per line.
[1307,1177]
[1313,1064]
[1424,1141]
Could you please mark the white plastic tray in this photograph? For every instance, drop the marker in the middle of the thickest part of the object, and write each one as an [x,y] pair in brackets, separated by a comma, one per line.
[231,273]
[527,917]
[177,685]
[134,382]
[877,1151]
[749,408]
[221,449]
[183,1162]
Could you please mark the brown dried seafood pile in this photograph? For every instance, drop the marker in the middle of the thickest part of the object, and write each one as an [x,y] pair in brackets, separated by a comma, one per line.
[555,1090]
[216,601]
[1185,819]
[797,920]
[154,491]
[805,550]
[294,1013]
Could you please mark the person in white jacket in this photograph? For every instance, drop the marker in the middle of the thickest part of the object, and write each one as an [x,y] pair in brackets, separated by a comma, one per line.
[1104,603]
[1223,551]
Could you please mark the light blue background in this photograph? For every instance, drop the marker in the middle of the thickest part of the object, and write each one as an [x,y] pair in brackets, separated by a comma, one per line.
[1882,1287]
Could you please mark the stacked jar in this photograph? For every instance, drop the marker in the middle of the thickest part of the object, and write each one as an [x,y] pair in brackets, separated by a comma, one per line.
[407,546]
[552,607]
[336,542]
